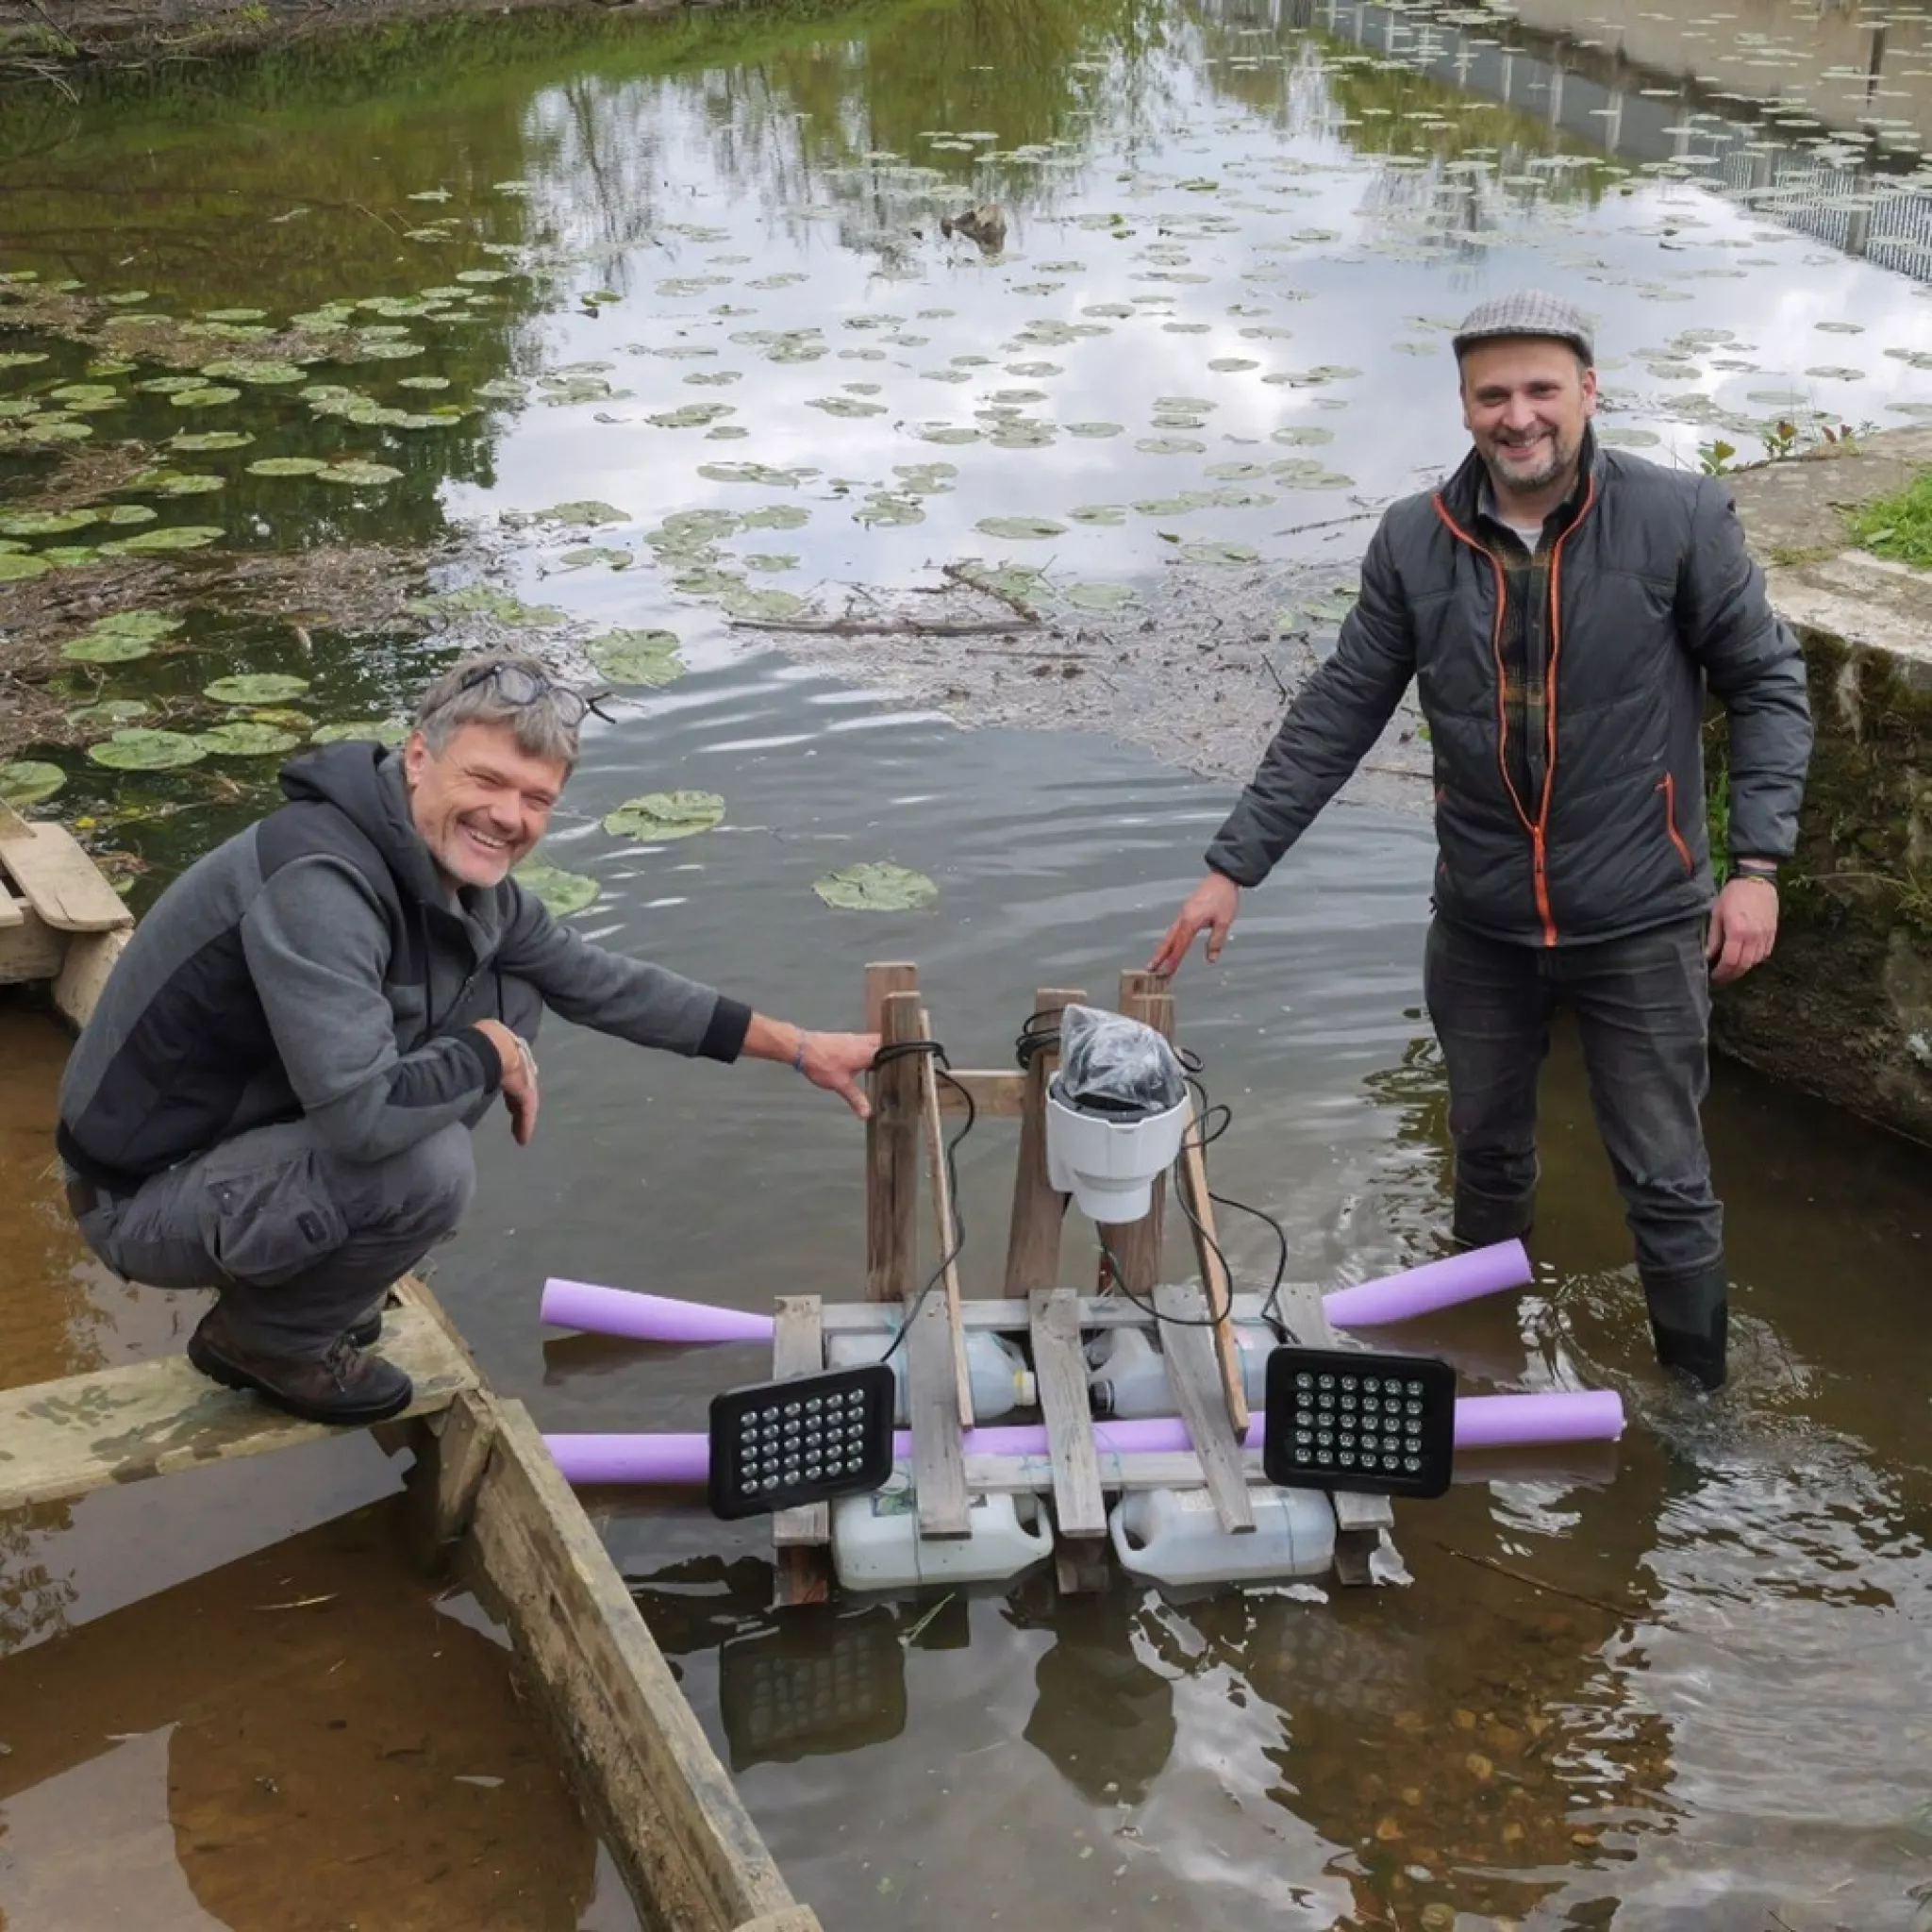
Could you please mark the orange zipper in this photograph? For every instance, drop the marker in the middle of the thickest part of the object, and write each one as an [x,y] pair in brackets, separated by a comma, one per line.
[1668,789]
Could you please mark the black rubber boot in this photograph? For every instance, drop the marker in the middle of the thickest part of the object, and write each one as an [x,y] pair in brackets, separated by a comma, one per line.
[1689,1322]
[1480,1221]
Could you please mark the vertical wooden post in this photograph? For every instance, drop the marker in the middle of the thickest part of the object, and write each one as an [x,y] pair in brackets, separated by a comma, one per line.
[891,1136]
[1136,1244]
[799,1535]
[1033,1247]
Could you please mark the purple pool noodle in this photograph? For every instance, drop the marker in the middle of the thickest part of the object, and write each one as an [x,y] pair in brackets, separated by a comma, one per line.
[1434,1285]
[646,1317]
[1482,1422]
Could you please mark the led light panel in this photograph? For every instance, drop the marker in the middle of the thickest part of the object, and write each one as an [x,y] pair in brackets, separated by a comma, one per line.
[1343,1419]
[775,1445]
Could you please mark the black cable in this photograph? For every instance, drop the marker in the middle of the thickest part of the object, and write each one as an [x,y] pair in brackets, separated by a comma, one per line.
[902,1049]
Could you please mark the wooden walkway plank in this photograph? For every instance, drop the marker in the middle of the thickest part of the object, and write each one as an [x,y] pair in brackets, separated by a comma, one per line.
[932,1411]
[59,1440]
[1033,1242]
[665,1807]
[1060,1367]
[57,878]
[1196,1376]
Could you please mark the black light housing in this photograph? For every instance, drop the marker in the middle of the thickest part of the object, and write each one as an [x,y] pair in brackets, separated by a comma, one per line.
[1347,1419]
[777,1445]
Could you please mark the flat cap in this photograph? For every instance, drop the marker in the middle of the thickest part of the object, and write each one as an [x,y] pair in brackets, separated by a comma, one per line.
[1527,312]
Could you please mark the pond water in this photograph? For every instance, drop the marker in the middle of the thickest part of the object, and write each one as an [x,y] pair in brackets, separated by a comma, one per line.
[707,360]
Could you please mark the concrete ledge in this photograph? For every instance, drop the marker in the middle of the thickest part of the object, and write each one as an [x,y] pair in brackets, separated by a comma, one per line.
[1843,1009]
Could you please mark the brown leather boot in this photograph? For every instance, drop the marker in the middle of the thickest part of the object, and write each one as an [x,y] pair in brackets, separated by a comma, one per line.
[344,1386]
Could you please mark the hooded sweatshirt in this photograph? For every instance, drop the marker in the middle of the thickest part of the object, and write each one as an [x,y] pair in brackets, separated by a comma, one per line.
[311,966]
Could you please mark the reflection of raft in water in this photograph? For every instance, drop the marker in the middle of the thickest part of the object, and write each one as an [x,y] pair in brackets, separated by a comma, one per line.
[489,1497]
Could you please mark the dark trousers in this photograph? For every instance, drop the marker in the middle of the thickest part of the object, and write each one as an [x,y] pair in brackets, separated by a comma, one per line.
[1643,1008]
[300,1240]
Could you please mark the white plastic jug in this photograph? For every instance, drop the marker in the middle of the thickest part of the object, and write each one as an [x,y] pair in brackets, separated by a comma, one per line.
[876,1544]
[1127,1375]
[1002,1382]
[1174,1536]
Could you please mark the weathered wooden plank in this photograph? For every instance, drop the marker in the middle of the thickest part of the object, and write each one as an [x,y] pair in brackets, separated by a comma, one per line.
[454,1448]
[996,1094]
[1213,1264]
[1033,1242]
[798,1348]
[1171,1469]
[799,1919]
[11,910]
[1360,1522]
[932,1410]
[940,1182]
[57,878]
[1061,1369]
[1135,1245]
[1195,1377]
[1005,1316]
[62,1439]
[30,949]
[891,1136]
[90,957]
[690,1857]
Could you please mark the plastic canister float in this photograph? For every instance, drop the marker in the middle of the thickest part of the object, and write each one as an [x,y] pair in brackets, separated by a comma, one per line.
[1002,1382]
[877,1543]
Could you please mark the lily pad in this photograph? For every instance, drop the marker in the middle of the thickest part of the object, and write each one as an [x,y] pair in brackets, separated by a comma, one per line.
[166,482]
[1098,596]
[286,466]
[871,886]
[1221,553]
[587,555]
[267,373]
[776,516]
[842,405]
[740,600]
[256,687]
[1021,530]
[480,600]
[126,513]
[636,657]
[47,522]
[15,569]
[176,537]
[661,815]
[691,416]
[582,515]
[139,750]
[246,737]
[29,782]
[146,624]
[358,475]
[390,732]
[561,894]
[112,712]
[210,396]
[105,647]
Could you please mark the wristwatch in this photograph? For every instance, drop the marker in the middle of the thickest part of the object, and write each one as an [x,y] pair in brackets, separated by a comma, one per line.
[1765,869]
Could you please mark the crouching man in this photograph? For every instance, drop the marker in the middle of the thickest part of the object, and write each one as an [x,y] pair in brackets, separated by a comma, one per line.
[274,1095]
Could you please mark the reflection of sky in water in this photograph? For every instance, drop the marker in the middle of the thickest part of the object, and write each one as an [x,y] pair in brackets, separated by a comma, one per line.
[1304,256]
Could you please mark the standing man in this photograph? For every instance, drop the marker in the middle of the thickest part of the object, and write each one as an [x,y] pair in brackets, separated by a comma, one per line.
[274,1094]
[1563,609]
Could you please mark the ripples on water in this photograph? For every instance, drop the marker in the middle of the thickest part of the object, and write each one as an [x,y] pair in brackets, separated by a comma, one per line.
[1678,1684]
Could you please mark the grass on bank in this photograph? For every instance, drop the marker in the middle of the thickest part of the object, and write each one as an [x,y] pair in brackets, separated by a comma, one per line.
[1899,525]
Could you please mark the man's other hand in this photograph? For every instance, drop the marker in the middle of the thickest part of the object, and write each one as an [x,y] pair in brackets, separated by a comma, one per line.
[835,1061]
[1212,907]
[519,1077]
[1743,927]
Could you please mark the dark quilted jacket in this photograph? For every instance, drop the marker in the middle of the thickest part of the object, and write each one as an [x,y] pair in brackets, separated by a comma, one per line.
[1596,829]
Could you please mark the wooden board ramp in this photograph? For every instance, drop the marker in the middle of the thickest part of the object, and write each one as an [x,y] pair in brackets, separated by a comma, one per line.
[1195,1320]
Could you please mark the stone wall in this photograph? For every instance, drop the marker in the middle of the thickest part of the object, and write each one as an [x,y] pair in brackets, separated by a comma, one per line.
[1843,1009]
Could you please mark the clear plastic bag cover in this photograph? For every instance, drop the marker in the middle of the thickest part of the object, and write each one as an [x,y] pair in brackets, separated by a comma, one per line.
[1110,1064]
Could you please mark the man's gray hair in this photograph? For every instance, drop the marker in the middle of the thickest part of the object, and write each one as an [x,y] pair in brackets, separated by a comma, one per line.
[499,688]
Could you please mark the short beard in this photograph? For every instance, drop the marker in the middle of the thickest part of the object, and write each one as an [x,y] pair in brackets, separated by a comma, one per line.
[1561,462]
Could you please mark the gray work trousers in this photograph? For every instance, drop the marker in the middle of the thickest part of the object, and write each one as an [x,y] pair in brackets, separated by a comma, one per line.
[300,1242]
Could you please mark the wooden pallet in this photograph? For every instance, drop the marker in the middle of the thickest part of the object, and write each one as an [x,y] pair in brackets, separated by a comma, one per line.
[1196,1318]
[60,922]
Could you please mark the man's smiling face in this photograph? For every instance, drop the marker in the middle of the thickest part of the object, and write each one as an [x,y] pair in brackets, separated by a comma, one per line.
[1526,400]
[480,803]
